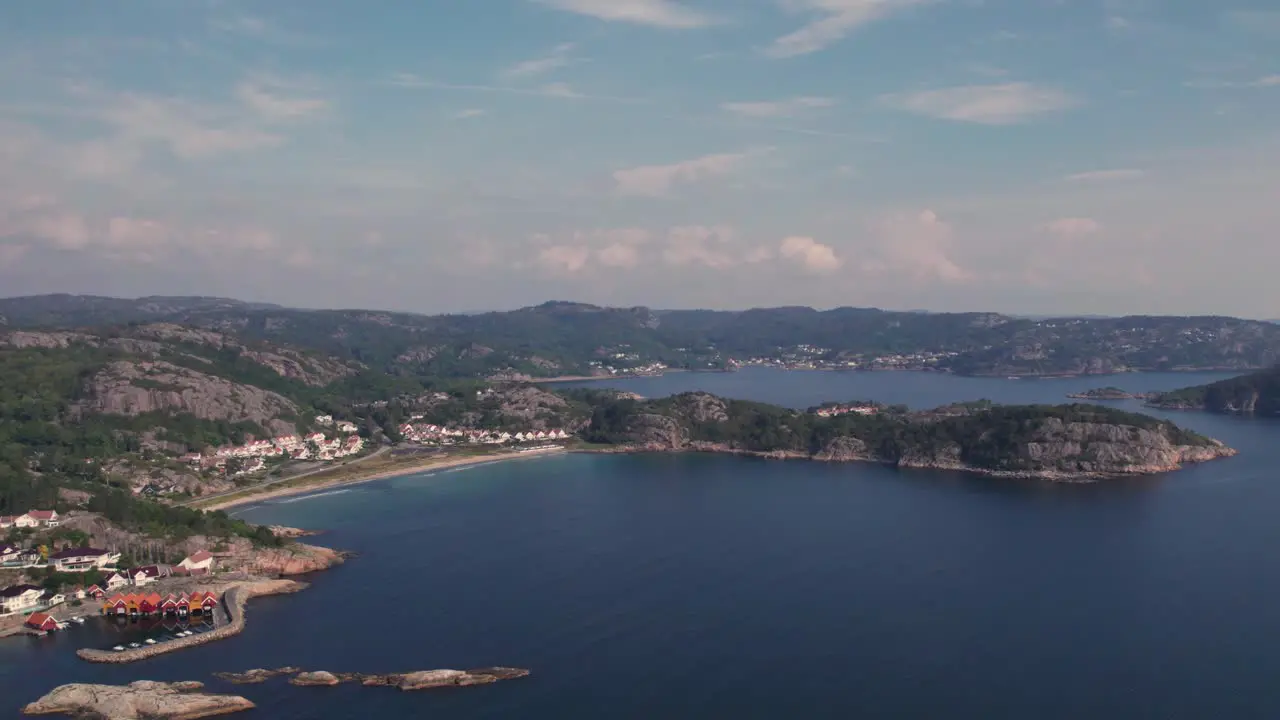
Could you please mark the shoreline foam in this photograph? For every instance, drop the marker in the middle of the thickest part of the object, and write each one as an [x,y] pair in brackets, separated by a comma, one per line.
[330,485]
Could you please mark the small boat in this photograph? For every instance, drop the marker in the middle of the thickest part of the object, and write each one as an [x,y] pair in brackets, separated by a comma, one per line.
[150,641]
[78,620]
[118,648]
[135,645]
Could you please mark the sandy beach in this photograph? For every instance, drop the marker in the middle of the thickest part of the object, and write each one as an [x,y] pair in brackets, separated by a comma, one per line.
[409,468]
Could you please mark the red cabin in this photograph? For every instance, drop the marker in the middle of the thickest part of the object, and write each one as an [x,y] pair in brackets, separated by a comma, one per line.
[42,621]
[169,606]
[209,603]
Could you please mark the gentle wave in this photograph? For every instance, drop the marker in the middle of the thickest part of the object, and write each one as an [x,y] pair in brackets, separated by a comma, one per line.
[286,501]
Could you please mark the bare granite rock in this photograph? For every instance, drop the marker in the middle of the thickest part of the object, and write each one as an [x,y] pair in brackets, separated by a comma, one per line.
[309,679]
[137,701]
[429,679]
[138,387]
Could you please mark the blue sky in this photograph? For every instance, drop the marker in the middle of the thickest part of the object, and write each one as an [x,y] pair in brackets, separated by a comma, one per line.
[1100,156]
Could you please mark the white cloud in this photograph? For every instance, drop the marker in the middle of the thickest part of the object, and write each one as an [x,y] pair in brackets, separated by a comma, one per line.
[1106,175]
[564,258]
[125,232]
[657,180]
[558,57]
[1266,81]
[1069,227]
[655,13]
[707,245]
[810,254]
[835,20]
[1007,104]
[777,108]
[190,131]
[269,98]
[560,90]
[65,230]
[11,254]
[916,246]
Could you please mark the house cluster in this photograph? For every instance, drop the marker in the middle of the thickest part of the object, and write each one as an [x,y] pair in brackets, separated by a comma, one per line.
[342,426]
[621,366]
[314,446]
[15,557]
[442,435]
[181,604]
[32,519]
[834,410]
[24,598]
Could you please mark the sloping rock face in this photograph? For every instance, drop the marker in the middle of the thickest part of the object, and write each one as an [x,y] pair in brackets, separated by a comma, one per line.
[134,388]
[1097,448]
[286,362]
[31,339]
[142,700]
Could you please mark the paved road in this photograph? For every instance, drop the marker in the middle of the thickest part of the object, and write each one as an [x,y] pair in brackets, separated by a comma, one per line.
[271,483]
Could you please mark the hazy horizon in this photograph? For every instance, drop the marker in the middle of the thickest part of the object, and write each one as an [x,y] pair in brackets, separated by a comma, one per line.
[1061,157]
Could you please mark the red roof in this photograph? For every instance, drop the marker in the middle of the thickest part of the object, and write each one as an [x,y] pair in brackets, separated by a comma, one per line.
[42,514]
[200,557]
[42,621]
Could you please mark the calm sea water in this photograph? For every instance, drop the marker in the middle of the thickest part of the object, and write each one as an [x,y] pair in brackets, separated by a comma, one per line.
[706,586]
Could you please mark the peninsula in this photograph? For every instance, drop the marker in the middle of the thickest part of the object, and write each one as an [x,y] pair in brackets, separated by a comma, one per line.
[1253,394]
[1062,442]
[1108,393]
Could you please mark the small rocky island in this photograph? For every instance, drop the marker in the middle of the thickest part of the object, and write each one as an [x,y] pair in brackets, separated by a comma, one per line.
[147,700]
[1055,442]
[142,700]
[1108,393]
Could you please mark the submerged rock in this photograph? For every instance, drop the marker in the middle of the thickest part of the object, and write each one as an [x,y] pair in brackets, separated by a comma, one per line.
[136,701]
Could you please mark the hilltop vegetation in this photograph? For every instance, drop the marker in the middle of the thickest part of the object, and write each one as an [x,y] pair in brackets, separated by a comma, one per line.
[1255,393]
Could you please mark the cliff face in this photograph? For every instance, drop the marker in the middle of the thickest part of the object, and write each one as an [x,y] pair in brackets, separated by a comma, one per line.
[137,387]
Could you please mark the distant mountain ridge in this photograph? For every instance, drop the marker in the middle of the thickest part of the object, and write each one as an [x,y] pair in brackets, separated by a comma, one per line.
[561,338]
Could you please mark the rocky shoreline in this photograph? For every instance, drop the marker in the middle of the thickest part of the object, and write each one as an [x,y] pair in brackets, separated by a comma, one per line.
[1185,455]
[234,600]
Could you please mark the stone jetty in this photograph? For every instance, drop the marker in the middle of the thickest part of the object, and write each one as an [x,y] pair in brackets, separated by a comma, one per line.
[231,614]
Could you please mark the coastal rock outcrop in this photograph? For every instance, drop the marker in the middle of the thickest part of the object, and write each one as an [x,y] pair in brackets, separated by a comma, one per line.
[255,676]
[429,679]
[141,700]
[319,677]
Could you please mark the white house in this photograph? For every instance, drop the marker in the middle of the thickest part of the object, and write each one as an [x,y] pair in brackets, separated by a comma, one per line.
[116,580]
[57,599]
[20,597]
[83,559]
[347,427]
[147,574]
[6,521]
[324,419]
[37,518]
[197,563]
[9,553]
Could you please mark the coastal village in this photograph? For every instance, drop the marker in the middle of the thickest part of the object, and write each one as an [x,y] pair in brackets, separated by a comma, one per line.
[252,456]
[430,434]
[39,609]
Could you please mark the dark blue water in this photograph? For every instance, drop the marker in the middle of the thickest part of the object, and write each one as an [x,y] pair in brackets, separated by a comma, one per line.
[707,586]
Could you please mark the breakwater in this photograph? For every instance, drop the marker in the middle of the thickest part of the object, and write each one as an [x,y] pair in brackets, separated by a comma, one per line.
[233,607]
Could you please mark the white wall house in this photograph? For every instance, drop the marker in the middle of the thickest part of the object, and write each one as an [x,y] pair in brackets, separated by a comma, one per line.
[83,559]
[199,562]
[20,597]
